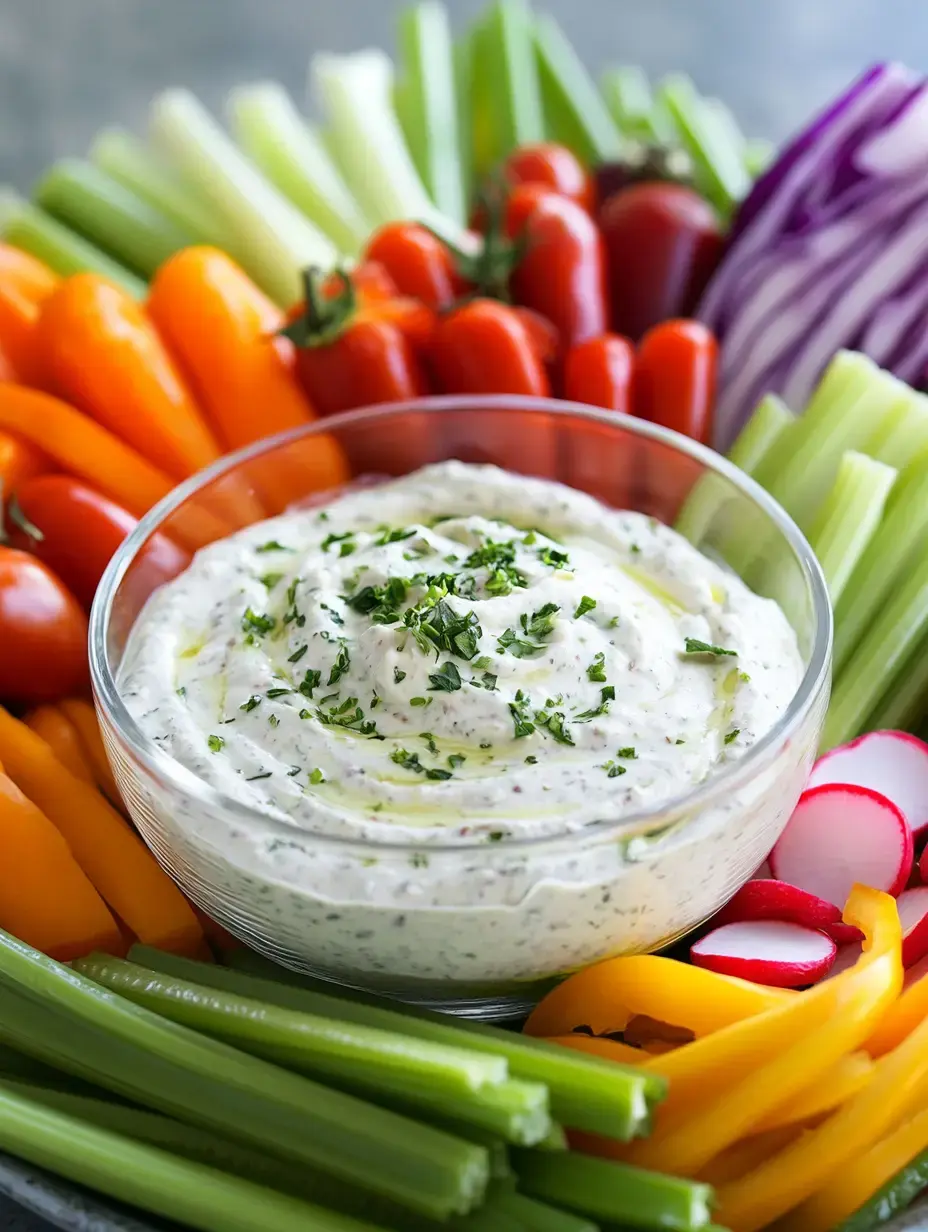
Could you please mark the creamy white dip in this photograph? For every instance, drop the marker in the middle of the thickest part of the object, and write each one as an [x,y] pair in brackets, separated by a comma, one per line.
[461,656]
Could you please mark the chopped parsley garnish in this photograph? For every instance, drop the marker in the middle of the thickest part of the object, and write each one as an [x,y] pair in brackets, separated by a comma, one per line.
[498,583]
[216,743]
[585,605]
[340,666]
[553,558]
[495,836]
[517,646]
[482,663]
[429,741]
[456,759]
[294,771]
[597,669]
[694,646]
[409,761]
[555,724]
[399,675]
[270,580]
[530,539]
[350,716]
[419,859]
[181,692]
[331,539]
[606,695]
[613,769]
[252,778]
[273,546]
[316,777]
[540,623]
[334,616]
[733,735]
[635,549]
[305,714]
[273,720]
[446,680]
[744,678]
[298,654]
[292,615]
[311,680]
[394,536]
[436,773]
[420,701]
[499,561]
[252,702]
[437,626]
[531,760]
[628,753]
[488,680]
[380,603]
[521,716]
[257,622]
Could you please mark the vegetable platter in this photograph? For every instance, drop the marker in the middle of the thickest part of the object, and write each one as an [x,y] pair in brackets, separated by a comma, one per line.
[170,297]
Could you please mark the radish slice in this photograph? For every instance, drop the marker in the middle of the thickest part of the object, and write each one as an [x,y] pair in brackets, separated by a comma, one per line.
[763,873]
[766,952]
[923,866]
[913,913]
[839,835]
[846,957]
[891,762]
[914,974]
[777,900]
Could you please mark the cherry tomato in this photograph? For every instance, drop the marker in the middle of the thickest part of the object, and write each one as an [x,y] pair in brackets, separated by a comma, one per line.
[674,379]
[75,531]
[662,244]
[485,348]
[44,633]
[418,262]
[561,273]
[553,166]
[370,279]
[599,371]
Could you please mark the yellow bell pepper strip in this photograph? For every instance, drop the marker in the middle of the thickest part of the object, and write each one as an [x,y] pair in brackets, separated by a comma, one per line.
[850,1075]
[817,1156]
[902,1017]
[897,1164]
[744,1156]
[604,997]
[597,1046]
[723,1085]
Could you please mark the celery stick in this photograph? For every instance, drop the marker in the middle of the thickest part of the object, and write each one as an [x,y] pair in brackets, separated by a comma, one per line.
[506,103]
[613,1191]
[905,698]
[356,95]
[60,1016]
[281,143]
[586,1092]
[711,492]
[757,156]
[275,238]
[898,626]
[889,556]
[574,111]
[429,115]
[627,92]
[717,159]
[110,215]
[130,161]
[904,433]
[539,1217]
[463,89]
[31,229]
[197,1196]
[324,1045]
[849,517]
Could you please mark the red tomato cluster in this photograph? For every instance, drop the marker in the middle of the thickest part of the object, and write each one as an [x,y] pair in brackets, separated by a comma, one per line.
[559,295]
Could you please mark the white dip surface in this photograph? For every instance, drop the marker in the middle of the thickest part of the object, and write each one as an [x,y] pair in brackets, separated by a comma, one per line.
[461,656]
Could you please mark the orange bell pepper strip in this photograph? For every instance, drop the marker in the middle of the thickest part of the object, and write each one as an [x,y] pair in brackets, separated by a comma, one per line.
[724,1085]
[119,865]
[902,1017]
[30,274]
[222,330]
[830,1091]
[596,1046]
[604,997]
[745,1155]
[45,898]
[61,737]
[19,460]
[84,721]
[99,351]
[25,283]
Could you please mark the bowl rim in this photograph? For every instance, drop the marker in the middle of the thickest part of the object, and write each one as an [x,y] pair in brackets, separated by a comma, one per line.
[178,777]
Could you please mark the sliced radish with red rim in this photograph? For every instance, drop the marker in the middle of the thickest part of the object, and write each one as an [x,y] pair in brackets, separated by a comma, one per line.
[763,873]
[923,866]
[891,762]
[840,835]
[846,957]
[778,900]
[913,913]
[767,952]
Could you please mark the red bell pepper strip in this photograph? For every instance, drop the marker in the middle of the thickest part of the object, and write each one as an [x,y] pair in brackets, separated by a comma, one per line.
[675,378]
[420,264]
[485,347]
[599,371]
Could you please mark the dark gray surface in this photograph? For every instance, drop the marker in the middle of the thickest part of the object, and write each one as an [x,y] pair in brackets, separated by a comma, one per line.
[68,67]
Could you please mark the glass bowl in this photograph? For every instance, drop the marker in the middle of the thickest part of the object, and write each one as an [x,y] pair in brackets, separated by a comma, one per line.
[473,927]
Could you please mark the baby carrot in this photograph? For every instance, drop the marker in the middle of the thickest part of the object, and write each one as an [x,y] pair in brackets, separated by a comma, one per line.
[99,350]
[45,898]
[81,716]
[25,283]
[19,460]
[60,734]
[118,864]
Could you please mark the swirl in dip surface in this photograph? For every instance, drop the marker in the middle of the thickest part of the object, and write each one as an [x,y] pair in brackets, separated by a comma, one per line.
[460,656]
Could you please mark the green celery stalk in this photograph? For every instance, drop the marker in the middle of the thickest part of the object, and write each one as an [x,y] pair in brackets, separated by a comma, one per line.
[711,493]
[429,112]
[899,625]
[890,555]
[462,54]
[134,164]
[574,111]
[904,432]
[849,517]
[61,1017]
[717,157]
[612,1191]
[276,240]
[585,1092]
[197,1196]
[899,1192]
[537,1216]
[506,102]
[758,154]
[34,231]
[367,142]
[110,215]
[324,1045]
[627,93]
[905,698]
[281,143]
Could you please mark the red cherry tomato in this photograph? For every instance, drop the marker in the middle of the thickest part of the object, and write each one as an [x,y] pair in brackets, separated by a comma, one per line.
[662,244]
[418,262]
[485,348]
[554,167]
[599,371]
[75,531]
[674,379]
[43,632]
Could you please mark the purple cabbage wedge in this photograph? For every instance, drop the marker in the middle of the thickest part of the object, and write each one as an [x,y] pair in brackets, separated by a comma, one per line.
[829,250]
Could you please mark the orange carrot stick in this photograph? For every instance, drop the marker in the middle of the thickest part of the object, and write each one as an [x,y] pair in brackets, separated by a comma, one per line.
[100,351]
[222,330]
[29,273]
[19,460]
[84,720]
[120,867]
[60,734]
[45,898]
